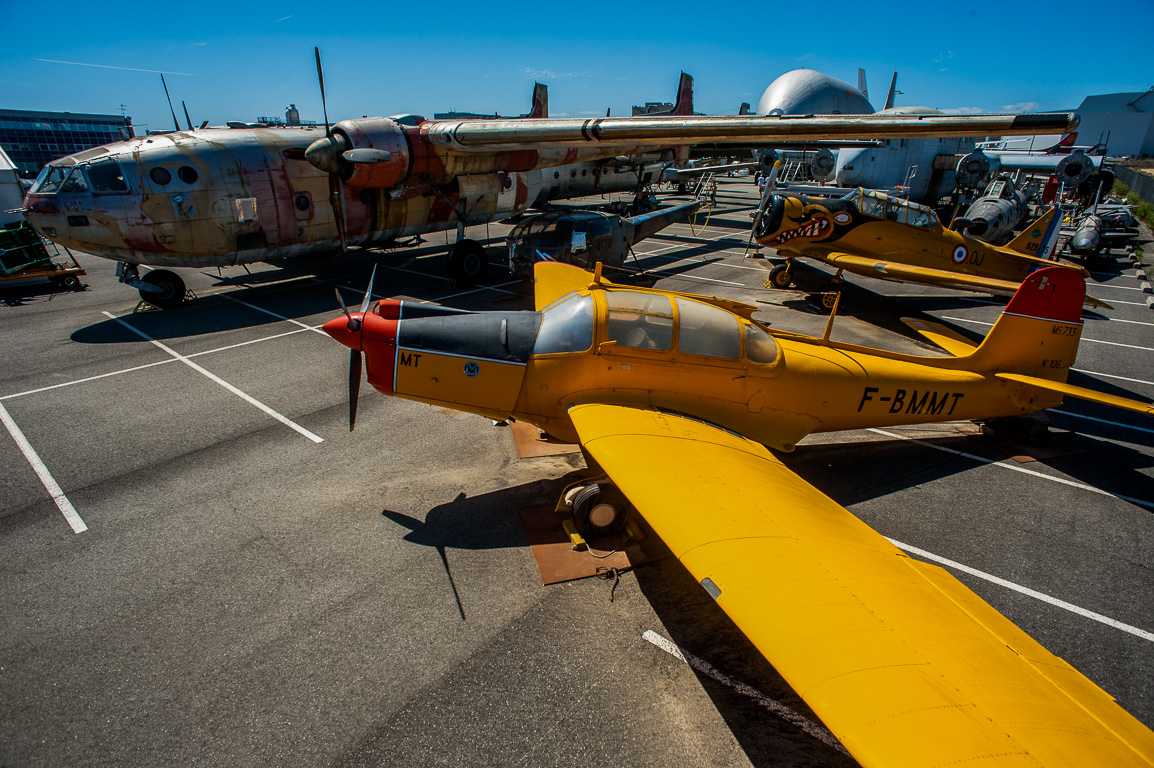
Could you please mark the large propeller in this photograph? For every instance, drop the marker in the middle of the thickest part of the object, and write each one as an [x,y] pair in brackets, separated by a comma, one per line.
[355,362]
[336,189]
[766,194]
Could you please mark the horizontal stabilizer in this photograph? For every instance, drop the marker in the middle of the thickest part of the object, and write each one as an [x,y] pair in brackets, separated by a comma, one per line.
[1082,393]
[889,270]
[946,338]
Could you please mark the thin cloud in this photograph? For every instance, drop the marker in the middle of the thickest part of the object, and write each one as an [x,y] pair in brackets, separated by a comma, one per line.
[963,111]
[943,57]
[551,74]
[286,18]
[1025,106]
[109,66]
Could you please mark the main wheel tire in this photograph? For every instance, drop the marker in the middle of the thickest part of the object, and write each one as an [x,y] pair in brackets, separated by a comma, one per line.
[780,276]
[468,262]
[599,511]
[71,282]
[171,293]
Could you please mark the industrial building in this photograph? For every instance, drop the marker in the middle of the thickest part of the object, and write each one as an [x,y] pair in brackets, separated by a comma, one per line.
[34,139]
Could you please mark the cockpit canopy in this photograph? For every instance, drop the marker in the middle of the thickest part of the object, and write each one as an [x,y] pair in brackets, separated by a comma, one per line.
[897,209]
[101,177]
[654,322]
[581,239]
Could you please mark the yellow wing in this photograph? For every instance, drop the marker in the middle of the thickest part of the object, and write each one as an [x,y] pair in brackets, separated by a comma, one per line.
[902,662]
[908,273]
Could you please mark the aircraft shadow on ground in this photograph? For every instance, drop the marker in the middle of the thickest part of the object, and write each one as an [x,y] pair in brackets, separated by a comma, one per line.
[299,290]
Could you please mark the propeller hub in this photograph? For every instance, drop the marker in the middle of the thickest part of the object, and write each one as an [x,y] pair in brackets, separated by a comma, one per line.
[325,154]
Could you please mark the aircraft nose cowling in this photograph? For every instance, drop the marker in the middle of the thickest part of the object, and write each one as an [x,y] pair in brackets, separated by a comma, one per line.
[374,333]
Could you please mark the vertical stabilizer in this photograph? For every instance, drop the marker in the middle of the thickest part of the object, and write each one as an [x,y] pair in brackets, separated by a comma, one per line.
[684,103]
[861,82]
[892,92]
[1037,333]
[1034,238]
[540,101]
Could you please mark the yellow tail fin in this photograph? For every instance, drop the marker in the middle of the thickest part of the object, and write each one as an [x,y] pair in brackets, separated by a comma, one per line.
[1033,240]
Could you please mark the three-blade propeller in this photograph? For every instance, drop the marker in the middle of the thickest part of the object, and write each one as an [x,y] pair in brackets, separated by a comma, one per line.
[766,194]
[355,362]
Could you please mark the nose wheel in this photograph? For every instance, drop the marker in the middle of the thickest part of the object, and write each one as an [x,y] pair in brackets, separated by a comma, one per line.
[779,277]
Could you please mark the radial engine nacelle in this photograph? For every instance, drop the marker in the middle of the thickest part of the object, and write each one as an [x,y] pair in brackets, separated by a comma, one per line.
[369,153]
[975,169]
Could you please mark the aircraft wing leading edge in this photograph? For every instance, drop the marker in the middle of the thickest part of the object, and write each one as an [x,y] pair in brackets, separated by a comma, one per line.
[903,663]
[492,135]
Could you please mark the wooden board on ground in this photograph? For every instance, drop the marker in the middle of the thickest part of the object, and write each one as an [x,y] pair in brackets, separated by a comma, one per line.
[530,445]
[556,559]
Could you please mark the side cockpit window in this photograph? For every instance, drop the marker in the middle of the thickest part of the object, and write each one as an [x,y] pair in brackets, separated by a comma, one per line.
[759,345]
[566,326]
[707,330]
[106,177]
[640,320]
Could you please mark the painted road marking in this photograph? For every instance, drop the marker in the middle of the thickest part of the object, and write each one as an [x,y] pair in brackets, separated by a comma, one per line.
[1096,341]
[153,365]
[1026,591]
[49,483]
[305,326]
[1112,376]
[1023,470]
[776,707]
[1102,421]
[213,377]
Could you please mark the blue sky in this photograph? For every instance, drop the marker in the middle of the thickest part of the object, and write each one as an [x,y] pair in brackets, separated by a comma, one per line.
[246,59]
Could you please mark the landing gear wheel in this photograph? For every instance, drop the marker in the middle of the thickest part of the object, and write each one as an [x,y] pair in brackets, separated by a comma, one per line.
[171,293]
[823,301]
[780,276]
[599,511]
[467,261]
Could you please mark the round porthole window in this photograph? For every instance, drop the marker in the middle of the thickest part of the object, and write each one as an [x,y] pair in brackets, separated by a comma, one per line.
[160,175]
[302,202]
[187,174]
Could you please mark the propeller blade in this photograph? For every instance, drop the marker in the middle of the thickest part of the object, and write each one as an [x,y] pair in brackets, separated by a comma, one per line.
[369,291]
[353,323]
[321,78]
[367,155]
[337,201]
[766,194]
[354,386]
[187,119]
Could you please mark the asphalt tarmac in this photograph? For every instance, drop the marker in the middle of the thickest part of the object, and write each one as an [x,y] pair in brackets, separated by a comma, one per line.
[254,585]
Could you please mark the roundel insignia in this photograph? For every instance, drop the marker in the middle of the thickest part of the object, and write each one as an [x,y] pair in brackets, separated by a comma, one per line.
[841,217]
[1036,233]
[959,254]
[472,369]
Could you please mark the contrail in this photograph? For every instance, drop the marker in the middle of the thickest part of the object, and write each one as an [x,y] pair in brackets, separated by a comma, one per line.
[106,66]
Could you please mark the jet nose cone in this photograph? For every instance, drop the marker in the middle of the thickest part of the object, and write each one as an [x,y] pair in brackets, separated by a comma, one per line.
[325,154]
[346,330]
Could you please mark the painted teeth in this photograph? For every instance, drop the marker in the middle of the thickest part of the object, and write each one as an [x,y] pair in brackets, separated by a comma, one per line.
[809,230]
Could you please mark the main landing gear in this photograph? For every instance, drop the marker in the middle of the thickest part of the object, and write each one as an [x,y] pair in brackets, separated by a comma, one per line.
[468,262]
[160,287]
[598,508]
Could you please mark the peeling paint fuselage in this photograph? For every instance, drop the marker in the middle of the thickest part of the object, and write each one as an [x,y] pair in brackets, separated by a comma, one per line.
[225,196]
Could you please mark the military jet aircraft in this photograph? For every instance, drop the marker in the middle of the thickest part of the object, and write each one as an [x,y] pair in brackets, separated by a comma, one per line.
[889,238]
[996,214]
[225,197]
[586,238]
[676,398]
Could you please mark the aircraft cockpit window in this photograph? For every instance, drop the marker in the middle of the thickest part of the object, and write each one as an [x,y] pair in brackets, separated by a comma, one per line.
[871,206]
[997,189]
[61,180]
[707,330]
[640,320]
[566,326]
[920,218]
[106,177]
[759,345]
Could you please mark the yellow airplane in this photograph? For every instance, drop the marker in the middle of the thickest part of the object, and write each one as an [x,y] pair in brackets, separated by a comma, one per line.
[876,235]
[677,398]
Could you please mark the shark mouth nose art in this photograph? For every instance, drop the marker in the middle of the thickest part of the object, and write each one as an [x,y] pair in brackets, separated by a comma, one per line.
[814,229]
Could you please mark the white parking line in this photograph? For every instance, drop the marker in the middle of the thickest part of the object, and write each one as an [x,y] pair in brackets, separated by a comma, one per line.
[776,707]
[1026,591]
[1096,341]
[305,326]
[1101,421]
[46,479]
[213,377]
[1014,468]
[1112,376]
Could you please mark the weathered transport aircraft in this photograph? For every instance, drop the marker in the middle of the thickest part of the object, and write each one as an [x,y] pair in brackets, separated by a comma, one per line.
[676,397]
[223,196]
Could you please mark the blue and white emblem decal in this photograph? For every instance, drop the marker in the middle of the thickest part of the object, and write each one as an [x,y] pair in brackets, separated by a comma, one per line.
[472,369]
[960,254]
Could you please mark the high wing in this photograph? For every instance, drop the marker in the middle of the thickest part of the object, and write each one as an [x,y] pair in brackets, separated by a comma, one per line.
[889,270]
[902,662]
[520,134]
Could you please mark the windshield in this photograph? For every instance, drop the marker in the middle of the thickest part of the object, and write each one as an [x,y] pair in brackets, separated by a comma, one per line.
[60,180]
[566,326]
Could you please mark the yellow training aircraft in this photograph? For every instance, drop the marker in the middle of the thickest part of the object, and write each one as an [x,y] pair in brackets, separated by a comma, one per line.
[677,396]
[888,238]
